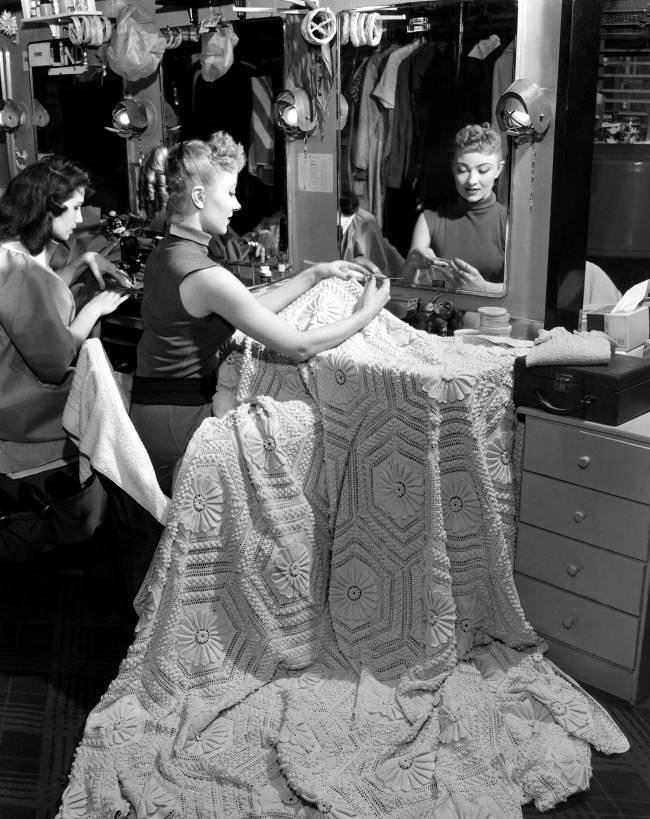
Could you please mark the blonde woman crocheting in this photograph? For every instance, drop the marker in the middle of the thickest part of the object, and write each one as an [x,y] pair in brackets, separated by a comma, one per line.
[191,305]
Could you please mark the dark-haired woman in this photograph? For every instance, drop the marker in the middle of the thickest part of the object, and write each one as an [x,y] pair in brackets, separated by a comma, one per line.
[40,329]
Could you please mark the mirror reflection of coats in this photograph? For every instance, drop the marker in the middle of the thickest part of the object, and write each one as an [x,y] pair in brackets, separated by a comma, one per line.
[234,102]
[406,101]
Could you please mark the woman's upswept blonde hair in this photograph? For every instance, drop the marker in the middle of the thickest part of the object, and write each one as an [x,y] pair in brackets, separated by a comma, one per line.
[480,138]
[195,162]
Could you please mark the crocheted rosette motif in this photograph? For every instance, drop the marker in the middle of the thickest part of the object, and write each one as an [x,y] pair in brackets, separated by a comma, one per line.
[330,625]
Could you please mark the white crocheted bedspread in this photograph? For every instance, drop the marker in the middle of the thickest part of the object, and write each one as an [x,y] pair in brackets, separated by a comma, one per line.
[330,626]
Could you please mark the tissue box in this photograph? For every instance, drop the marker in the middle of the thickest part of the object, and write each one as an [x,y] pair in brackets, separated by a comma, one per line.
[629,330]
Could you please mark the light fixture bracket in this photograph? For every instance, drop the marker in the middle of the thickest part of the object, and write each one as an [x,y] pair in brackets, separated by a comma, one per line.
[293,113]
[132,118]
[524,111]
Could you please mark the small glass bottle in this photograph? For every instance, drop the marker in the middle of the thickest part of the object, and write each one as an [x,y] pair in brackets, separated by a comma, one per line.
[265,276]
[282,264]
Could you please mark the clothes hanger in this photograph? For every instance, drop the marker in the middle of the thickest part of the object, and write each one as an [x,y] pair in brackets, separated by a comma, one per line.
[213,21]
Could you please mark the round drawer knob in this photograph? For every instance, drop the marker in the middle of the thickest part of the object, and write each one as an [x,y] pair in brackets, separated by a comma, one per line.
[583,461]
[568,622]
[578,516]
[572,569]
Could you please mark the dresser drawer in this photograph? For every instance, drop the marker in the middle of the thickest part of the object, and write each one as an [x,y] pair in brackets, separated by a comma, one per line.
[593,671]
[604,520]
[581,623]
[602,576]
[588,458]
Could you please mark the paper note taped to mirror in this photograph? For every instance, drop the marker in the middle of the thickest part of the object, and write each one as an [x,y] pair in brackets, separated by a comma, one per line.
[316,173]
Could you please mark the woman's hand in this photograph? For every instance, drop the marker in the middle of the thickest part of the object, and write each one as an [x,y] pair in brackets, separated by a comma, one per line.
[466,276]
[100,305]
[421,257]
[107,302]
[100,267]
[339,269]
[375,296]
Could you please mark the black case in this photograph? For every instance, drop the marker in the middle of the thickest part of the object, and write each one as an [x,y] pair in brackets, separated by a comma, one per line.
[610,393]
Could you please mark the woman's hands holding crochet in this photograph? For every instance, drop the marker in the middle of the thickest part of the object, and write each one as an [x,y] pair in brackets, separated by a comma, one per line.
[467,277]
[375,296]
[340,269]
[421,257]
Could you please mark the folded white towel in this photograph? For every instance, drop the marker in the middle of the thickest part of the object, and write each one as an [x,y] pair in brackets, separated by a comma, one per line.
[559,346]
[96,417]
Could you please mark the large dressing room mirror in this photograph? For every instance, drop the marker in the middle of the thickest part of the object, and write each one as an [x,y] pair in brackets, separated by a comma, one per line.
[78,92]
[409,82]
[236,95]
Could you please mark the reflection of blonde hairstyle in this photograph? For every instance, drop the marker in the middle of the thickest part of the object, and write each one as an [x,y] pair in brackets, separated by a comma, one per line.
[482,139]
[195,162]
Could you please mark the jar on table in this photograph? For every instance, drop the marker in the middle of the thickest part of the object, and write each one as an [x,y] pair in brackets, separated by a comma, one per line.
[494,321]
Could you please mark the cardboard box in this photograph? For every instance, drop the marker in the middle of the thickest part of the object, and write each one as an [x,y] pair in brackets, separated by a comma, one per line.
[628,330]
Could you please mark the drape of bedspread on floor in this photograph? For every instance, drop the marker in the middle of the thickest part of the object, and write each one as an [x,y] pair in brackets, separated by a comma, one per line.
[330,625]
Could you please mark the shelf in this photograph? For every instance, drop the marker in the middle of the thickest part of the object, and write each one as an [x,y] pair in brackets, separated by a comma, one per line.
[62,15]
[61,18]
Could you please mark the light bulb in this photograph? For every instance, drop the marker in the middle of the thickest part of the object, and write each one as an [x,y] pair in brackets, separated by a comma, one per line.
[520,118]
[122,118]
[291,115]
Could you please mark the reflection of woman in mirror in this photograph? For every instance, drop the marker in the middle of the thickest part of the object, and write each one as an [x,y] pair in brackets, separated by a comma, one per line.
[464,243]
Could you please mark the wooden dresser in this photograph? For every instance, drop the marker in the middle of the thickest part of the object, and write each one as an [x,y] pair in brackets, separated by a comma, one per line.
[581,564]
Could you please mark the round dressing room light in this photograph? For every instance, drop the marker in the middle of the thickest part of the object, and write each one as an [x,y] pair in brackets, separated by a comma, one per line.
[40,115]
[524,111]
[292,113]
[131,118]
[14,116]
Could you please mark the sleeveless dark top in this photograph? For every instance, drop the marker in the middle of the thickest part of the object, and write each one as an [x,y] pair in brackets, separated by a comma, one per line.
[175,344]
[475,233]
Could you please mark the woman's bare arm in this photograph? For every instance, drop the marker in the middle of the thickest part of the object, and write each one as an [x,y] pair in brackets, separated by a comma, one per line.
[215,290]
[101,305]
[420,253]
[278,296]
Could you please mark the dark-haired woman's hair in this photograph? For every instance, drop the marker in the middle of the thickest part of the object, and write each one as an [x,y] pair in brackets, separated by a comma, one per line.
[35,196]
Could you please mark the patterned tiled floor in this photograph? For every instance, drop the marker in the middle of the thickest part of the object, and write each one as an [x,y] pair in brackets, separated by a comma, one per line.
[65,626]
[620,786]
